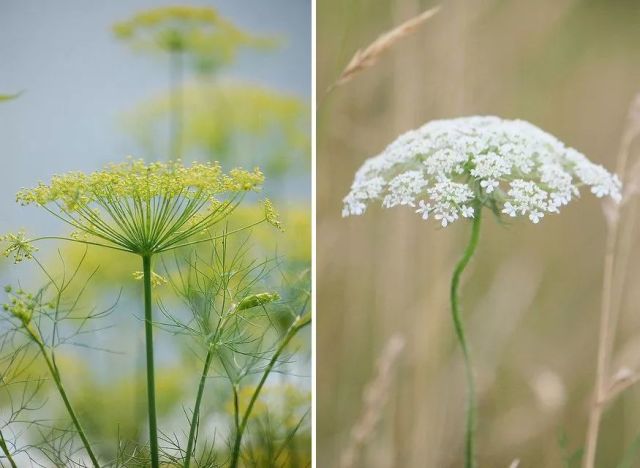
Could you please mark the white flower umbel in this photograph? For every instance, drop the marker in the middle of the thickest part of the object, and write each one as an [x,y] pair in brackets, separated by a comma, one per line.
[448,167]
[451,169]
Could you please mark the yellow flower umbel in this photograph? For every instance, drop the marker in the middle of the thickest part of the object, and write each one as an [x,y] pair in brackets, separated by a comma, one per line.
[210,40]
[271,215]
[143,209]
[19,246]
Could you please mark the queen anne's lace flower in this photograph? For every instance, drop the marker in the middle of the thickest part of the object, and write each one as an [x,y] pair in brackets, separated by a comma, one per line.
[450,168]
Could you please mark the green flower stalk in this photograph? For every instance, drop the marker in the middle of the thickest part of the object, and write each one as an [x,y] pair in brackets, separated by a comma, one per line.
[22,307]
[7,453]
[298,324]
[195,36]
[255,300]
[144,210]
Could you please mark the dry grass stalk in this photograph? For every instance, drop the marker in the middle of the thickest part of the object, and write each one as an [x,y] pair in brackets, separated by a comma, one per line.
[604,388]
[366,58]
[375,397]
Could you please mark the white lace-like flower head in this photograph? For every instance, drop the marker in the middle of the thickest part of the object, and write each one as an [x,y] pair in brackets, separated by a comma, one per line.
[449,168]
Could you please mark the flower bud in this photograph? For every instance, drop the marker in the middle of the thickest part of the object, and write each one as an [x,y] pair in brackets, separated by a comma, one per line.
[256,300]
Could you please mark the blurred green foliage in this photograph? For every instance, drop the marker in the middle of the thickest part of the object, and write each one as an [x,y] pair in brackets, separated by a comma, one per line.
[208,40]
[231,122]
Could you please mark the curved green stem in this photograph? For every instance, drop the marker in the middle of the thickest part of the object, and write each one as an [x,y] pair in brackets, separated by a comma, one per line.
[151,387]
[6,451]
[55,374]
[296,326]
[460,333]
[196,409]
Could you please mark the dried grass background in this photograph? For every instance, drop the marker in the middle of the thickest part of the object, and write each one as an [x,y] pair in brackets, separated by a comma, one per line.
[569,66]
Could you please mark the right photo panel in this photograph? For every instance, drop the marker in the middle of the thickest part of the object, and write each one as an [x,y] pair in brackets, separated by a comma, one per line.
[478,171]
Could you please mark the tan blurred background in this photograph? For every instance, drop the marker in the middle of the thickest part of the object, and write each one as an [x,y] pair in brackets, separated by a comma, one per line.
[532,294]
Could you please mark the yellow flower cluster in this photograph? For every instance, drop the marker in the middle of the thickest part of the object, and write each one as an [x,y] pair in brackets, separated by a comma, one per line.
[271,215]
[163,15]
[136,180]
[156,279]
[138,207]
[19,246]
[21,305]
[199,31]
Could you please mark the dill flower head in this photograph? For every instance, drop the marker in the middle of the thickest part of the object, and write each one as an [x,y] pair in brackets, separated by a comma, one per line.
[201,31]
[21,305]
[448,169]
[271,215]
[18,246]
[142,208]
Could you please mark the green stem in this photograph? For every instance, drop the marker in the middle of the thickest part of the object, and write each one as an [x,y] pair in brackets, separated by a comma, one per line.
[176,72]
[7,453]
[196,409]
[460,333]
[53,369]
[151,388]
[296,326]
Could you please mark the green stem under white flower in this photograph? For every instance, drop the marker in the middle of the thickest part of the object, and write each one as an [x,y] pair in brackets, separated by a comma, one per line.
[458,323]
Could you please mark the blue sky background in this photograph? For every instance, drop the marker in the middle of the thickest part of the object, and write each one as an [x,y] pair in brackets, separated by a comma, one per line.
[78,80]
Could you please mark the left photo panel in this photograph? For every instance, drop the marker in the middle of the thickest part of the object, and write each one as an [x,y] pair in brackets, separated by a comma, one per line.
[155,223]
